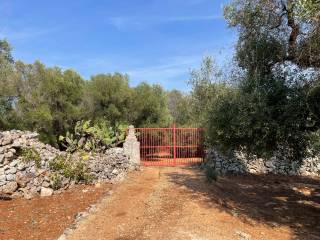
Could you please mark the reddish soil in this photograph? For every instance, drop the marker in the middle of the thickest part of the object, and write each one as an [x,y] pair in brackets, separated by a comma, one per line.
[174,203]
[46,217]
[178,203]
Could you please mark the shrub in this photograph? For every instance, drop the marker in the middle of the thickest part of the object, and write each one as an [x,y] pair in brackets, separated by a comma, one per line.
[315,141]
[31,154]
[314,100]
[56,181]
[75,169]
[262,118]
[211,174]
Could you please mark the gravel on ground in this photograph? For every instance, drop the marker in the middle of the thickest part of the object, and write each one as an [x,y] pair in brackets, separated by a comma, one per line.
[178,203]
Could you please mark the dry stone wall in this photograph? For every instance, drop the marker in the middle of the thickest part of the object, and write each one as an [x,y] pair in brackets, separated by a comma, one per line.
[112,164]
[238,162]
[31,175]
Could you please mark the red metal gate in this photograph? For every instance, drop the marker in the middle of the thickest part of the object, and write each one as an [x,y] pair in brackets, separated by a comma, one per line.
[170,146]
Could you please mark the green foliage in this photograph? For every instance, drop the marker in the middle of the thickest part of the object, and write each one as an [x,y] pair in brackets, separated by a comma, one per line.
[211,174]
[107,96]
[268,109]
[149,106]
[69,142]
[7,82]
[179,107]
[314,101]
[206,91]
[48,100]
[56,180]
[51,102]
[75,169]
[262,122]
[29,155]
[93,137]
[5,52]
[292,27]
[315,141]
[309,9]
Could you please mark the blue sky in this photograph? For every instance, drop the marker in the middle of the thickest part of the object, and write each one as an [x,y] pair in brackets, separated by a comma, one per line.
[157,41]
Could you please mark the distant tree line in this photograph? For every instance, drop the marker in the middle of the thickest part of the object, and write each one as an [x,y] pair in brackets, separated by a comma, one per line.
[50,100]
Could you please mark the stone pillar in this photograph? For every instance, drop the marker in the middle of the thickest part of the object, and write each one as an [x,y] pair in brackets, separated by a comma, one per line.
[131,146]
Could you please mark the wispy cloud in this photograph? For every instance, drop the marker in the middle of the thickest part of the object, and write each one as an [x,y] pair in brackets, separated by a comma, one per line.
[186,2]
[123,23]
[14,28]
[193,18]
[171,72]
[166,73]
[24,33]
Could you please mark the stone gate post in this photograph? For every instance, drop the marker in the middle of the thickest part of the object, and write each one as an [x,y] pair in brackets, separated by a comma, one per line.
[131,146]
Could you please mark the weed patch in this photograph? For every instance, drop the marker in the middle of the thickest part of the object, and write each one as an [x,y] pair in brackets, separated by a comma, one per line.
[29,155]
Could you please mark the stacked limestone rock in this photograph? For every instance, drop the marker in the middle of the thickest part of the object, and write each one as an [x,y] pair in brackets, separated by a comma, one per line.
[238,162]
[111,164]
[19,177]
[24,178]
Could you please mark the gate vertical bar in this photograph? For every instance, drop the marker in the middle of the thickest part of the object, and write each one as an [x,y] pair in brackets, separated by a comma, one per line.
[171,146]
[174,145]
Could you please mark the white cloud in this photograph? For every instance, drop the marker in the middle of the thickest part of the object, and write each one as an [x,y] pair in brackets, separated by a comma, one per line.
[165,73]
[169,71]
[123,23]
[193,18]
[25,33]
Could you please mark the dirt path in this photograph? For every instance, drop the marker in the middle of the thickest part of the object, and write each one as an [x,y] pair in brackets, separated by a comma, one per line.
[168,203]
[46,218]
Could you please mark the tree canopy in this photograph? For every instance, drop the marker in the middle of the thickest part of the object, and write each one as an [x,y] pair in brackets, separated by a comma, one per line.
[51,101]
[275,101]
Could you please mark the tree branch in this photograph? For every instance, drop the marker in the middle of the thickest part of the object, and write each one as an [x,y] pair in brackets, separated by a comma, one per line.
[295,31]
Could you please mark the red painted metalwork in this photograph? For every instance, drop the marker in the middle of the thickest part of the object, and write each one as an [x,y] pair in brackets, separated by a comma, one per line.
[174,145]
[170,146]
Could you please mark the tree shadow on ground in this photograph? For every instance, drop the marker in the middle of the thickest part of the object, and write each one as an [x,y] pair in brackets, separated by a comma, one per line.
[270,199]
